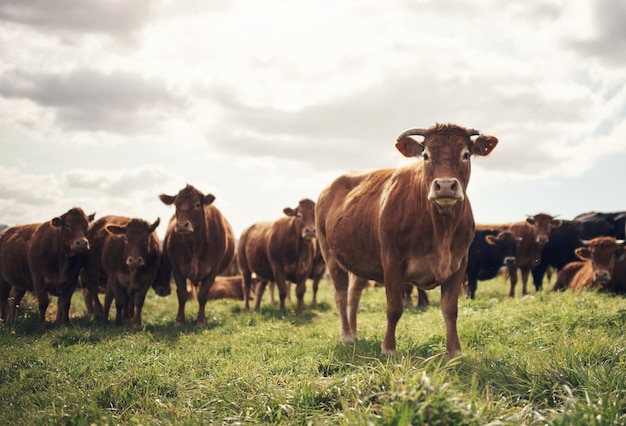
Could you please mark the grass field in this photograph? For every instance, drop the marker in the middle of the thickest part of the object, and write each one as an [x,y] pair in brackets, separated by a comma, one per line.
[556,359]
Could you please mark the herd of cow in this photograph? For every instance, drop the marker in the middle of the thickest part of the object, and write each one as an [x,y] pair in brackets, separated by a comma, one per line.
[404,227]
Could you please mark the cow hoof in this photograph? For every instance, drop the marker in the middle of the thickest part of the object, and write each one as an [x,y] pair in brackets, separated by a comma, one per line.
[179,323]
[348,338]
[388,352]
[455,354]
[200,323]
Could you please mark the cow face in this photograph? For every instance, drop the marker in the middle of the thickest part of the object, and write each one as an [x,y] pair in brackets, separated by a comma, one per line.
[542,225]
[603,252]
[73,226]
[506,244]
[189,204]
[136,234]
[305,217]
[446,150]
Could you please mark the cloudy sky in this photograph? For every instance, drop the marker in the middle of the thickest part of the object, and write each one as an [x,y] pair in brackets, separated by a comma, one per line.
[106,104]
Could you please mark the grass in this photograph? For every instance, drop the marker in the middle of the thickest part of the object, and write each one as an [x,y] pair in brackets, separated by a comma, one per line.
[547,358]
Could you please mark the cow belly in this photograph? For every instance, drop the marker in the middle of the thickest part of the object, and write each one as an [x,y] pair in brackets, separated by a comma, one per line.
[432,270]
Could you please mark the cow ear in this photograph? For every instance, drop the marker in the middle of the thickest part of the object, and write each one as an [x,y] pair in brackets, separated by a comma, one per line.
[155,224]
[483,145]
[167,199]
[409,147]
[583,253]
[289,211]
[491,239]
[556,223]
[56,222]
[91,217]
[115,229]
[208,199]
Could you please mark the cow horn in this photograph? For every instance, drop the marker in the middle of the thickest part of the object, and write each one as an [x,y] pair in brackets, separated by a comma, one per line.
[585,242]
[473,132]
[412,132]
[620,242]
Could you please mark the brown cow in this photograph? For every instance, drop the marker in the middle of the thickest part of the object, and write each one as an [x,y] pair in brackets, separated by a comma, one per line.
[229,287]
[199,244]
[601,257]
[45,258]
[411,224]
[128,254]
[565,275]
[279,251]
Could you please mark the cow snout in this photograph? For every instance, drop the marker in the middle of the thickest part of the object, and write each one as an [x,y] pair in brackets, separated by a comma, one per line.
[135,261]
[446,191]
[80,244]
[509,260]
[184,227]
[542,239]
[602,276]
[308,233]
[162,291]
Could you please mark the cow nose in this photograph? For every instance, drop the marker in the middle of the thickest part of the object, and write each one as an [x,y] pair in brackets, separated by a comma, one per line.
[509,260]
[135,261]
[81,244]
[446,189]
[183,226]
[309,232]
[542,239]
[602,276]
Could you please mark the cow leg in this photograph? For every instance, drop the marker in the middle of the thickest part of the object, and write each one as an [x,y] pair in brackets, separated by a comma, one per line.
[525,273]
[341,283]
[272,292]
[247,282]
[422,298]
[5,291]
[316,285]
[538,273]
[108,299]
[395,306]
[300,290]
[203,296]
[258,295]
[42,298]
[355,289]
[138,301]
[119,293]
[513,278]
[181,293]
[15,298]
[449,307]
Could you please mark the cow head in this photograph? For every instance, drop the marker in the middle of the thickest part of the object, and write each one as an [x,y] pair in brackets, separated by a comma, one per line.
[189,204]
[506,243]
[542,225]
[136,234]
[305,217]
[603,252]
[446,150]
[73,226]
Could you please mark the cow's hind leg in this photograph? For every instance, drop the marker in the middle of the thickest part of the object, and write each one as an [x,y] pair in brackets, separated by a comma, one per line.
[341,284]
[355,289]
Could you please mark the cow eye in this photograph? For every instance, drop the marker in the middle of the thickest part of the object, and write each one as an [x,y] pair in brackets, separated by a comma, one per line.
[198,205]
[299,215]
[466,155]
[425,156]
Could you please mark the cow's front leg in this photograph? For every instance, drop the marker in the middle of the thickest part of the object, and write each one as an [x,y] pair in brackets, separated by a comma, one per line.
[449,307]
[203,297]
[395,306]
[300,290]
[181,293]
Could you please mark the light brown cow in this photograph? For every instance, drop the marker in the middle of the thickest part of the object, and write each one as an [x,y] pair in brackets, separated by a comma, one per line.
[45,258]
[601,255]
[128,255]
[412,224]
[229,287]
[279,251]
[199,244]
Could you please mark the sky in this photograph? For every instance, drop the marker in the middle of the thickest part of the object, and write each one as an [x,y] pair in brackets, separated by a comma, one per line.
[105,104]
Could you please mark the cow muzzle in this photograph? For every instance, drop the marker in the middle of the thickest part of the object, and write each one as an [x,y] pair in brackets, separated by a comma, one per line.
[183,227]
[509,260]
[309,233]
[601,277]
[446,191]
[135,261]
[80,245]
[542,239]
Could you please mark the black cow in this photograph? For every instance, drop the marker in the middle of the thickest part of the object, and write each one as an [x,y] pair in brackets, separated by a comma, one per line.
[490,250]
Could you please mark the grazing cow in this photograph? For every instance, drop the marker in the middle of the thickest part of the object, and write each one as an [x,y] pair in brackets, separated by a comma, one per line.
[127,253]
[45,258]
[278,252]
[600,256]
[319,268]
[412,224]
[199,244]
[490,250]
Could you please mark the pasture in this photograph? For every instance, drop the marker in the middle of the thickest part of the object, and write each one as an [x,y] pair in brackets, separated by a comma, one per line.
[548,358]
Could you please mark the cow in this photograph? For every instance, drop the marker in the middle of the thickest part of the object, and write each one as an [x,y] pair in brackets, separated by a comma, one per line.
[603,224]
[534,234]
[127,252]
[229,287]
[278,252]
[490,250]
[199,245]
[566,274]
[45,258]
[601,256]
[411,224]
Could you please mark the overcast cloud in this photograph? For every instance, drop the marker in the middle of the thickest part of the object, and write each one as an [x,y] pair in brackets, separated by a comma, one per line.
[107,104]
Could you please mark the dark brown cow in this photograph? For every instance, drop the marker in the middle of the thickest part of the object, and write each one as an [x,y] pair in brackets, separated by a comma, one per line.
[45,258]
[534,234]
[412,224]
[128,254]
[279,251]
[199,244]
[601,257]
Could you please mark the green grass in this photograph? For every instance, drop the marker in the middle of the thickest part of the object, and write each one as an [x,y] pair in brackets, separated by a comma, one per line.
[548,358]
